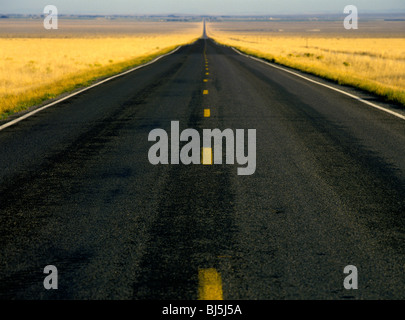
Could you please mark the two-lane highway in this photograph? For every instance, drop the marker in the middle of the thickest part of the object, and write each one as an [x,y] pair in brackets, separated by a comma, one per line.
[77,190]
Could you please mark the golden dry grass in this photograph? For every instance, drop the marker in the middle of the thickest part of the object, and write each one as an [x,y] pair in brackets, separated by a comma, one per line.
[36,69]
[375,64]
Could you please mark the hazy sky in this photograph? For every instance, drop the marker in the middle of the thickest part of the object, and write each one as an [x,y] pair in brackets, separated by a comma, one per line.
[200,6]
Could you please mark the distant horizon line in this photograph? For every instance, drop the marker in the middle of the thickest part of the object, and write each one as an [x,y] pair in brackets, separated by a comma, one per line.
[394,12]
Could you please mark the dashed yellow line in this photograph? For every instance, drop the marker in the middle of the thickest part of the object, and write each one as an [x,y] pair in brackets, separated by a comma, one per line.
[206,156]
[209,285]
[205,80]
[205,92]
[207,113]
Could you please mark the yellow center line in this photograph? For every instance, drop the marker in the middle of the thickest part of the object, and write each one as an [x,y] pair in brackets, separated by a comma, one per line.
[209,285]
[207,113]
[205,80]
[206,156]
[205,92]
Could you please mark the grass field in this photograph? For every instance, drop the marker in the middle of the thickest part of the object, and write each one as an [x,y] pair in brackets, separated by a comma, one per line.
[372,59]
[36,65]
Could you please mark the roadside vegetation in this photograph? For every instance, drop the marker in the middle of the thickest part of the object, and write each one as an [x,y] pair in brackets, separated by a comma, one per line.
[34,69]
[375,64]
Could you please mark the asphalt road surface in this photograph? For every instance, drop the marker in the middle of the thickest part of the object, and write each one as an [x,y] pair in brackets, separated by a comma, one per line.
[77,190]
